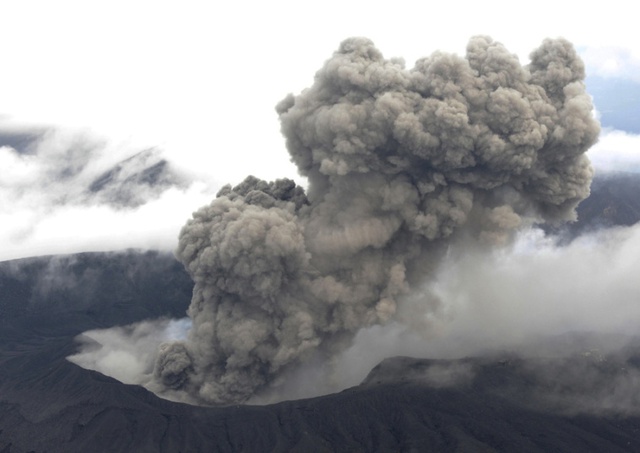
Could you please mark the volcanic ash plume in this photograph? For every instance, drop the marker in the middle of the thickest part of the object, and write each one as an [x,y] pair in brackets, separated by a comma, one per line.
[399,164]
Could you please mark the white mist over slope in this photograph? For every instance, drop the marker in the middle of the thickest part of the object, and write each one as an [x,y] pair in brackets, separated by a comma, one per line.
[507,299]
[69,190]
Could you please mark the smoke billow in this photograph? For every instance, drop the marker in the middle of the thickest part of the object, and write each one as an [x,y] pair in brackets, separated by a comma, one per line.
[400,163]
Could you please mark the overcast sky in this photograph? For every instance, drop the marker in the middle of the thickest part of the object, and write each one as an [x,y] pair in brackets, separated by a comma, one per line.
[199,81]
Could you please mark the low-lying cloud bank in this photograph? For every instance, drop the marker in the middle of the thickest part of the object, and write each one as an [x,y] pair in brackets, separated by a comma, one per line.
[616,151]
[66,191]
[509,298]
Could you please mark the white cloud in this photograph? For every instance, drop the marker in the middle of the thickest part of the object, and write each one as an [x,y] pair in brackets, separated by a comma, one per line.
[616,151]
[44,230]
[47,207]
[612,61]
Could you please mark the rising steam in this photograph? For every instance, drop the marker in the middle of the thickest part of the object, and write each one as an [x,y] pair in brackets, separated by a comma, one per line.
[400,163]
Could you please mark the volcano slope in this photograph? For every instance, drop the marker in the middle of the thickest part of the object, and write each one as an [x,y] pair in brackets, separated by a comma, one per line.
[498,402]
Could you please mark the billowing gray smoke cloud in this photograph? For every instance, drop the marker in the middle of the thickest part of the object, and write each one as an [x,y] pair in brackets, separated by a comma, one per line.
[399,164]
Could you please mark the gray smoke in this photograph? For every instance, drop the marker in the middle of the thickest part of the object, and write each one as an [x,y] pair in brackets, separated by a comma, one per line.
[399,163]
